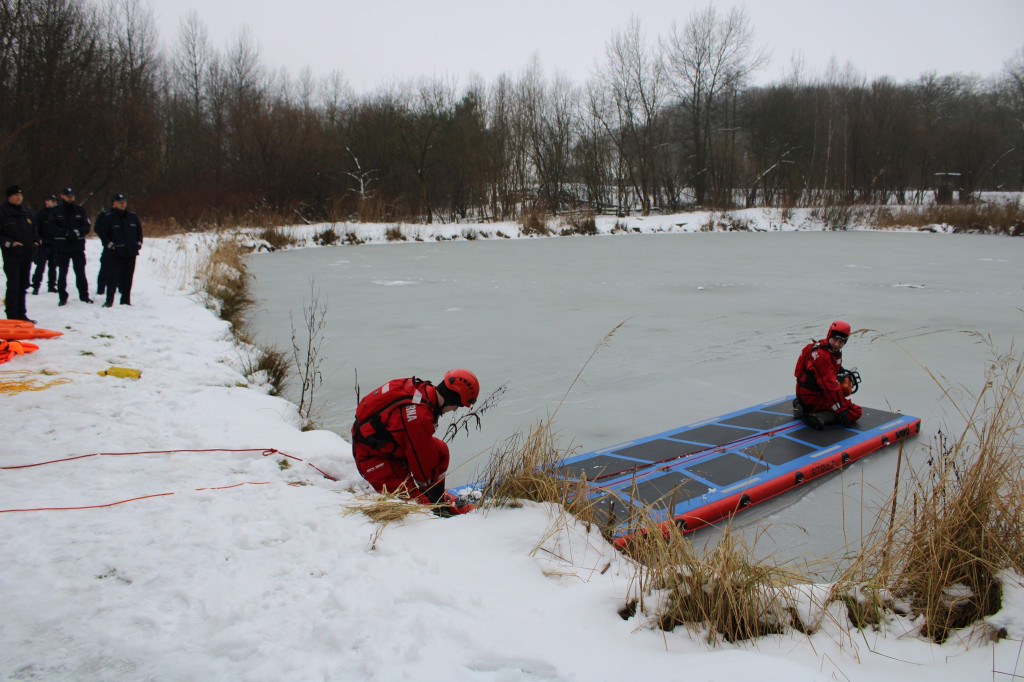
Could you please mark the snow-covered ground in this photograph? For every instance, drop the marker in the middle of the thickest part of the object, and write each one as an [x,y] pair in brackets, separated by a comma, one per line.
[214,549]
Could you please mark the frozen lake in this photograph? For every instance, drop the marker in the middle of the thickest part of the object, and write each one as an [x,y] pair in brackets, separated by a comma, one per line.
[714,322]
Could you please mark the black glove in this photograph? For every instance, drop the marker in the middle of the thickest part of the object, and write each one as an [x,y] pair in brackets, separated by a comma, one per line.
[843,417]
[435,492]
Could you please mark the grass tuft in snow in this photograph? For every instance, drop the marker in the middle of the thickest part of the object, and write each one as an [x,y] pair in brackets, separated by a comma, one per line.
[535,224]
[583,223]
[327,237]
[1005,217]
[721,590]
[225,280]
[946,539]
[277,238]
[384,510]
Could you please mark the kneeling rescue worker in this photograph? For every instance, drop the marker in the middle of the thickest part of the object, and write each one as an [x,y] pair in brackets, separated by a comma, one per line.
[823,387]
[393,436]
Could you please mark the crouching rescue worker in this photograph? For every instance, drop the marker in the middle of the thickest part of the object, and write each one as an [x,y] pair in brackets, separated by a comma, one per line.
[823,387]
[393,435]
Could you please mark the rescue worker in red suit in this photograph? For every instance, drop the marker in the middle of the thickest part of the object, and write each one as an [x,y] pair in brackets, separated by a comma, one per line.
[393,435]
[820,397]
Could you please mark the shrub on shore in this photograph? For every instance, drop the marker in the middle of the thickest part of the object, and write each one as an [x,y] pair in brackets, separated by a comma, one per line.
[1005,217]
[225,280]
[945,543]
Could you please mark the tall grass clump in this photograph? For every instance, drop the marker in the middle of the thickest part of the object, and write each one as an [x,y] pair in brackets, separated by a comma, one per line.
[225,280]
[581,223]
[836,216]
[948,539]
[721,590]
[535,224]
[267,366]
[527,468]
[327,237]
[530,467]
[276,238]
[1005,217]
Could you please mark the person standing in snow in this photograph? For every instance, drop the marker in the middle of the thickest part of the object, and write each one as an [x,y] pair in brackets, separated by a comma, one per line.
[121,233]
[45,258]
[820,397]
[101,277]
[393,439]
[18,241]
[69,225]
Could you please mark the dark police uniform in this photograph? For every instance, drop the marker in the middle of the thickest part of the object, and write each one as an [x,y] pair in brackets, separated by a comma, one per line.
[69,225]
[18,239]
[121,232]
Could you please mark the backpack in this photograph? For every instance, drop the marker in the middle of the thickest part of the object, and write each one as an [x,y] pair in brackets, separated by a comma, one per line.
[803,377]
[368,427]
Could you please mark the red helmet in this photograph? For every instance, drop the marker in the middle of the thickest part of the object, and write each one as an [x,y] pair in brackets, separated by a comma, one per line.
[464,383]
[840,329]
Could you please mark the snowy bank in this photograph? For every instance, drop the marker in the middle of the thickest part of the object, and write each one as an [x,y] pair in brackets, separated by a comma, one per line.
[212,549]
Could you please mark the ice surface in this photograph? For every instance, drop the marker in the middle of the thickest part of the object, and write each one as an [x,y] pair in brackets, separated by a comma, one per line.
[713,323]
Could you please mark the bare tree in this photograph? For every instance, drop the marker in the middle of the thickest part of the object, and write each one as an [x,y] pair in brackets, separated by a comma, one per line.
[627,98]
[1015,88]
[707,60]
[550,113]
[500,154]
[426,104]
[191,62]
[306,354]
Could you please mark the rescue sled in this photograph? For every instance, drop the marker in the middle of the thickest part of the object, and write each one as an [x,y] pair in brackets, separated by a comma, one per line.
[12,330]
[699,474]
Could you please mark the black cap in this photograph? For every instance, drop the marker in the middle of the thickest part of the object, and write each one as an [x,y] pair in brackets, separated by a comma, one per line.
[68,191]
[51,197]
[117,197]
[13,189]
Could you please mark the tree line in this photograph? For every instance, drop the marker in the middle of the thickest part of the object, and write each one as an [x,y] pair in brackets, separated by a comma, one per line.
[203,135]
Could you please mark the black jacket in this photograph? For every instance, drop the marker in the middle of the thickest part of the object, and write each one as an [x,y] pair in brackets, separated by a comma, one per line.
[42,221]
[121,232]
[69,224]
[16,226]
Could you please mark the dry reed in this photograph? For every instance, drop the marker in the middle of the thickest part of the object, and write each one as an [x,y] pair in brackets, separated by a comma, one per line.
[225,280]
[984,217]
[383,510]
[942,545]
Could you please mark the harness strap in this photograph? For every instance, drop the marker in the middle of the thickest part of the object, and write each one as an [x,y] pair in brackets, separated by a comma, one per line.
[806,378]
[371,430]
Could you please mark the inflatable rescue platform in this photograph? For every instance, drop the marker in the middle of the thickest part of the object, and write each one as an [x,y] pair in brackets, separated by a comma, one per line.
[702,473]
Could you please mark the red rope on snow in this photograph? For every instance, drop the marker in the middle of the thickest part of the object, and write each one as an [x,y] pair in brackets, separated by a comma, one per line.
[94,506]
[265,452]
[133,499]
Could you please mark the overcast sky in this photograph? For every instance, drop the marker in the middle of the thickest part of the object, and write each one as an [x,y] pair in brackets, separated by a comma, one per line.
[372,42]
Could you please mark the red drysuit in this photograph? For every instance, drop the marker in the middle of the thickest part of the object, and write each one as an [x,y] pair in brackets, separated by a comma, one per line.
[817,383]
[393,440]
